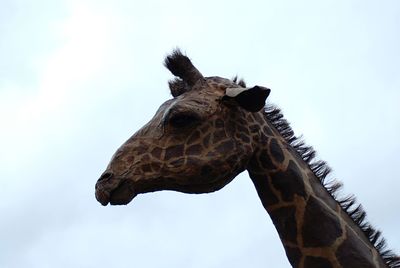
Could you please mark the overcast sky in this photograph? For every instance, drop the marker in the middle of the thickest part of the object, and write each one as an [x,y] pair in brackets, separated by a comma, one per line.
[77,78]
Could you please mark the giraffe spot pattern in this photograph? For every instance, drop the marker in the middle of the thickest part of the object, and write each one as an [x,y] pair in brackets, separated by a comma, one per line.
[205,128]
[265,160]
[156,153]
[264,191]
[206,140]
[141,149]
[225,146]
[194,137]
[145,158]
[317,262]
[267,131]
[351,254]
[254,128]
[146,168]
[244,138]
[293,255]
[319,231]
[285,222]
[219,135]
[242,129]
[130,158]
[219,123]
[194,150]
[173,151]
[178,162]
[276,151]
[256,117]
[289,182]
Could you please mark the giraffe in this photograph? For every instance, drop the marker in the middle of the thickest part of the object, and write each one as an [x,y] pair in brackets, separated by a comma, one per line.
[215,128]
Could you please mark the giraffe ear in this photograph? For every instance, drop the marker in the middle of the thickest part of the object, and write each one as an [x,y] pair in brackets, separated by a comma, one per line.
[251,99]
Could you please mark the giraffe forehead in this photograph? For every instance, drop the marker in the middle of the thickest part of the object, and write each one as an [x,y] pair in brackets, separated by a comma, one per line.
[219,83]
[205,102]
[203,95]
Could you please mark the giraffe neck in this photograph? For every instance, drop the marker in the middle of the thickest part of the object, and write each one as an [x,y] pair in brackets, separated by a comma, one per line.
[314,229]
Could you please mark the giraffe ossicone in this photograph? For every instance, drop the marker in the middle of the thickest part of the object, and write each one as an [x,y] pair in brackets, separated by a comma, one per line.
[215,128]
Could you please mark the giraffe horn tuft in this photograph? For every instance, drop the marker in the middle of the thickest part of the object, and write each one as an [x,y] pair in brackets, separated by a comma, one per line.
[181,66]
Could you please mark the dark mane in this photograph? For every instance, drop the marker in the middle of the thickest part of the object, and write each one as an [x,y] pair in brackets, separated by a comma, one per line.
[321,171]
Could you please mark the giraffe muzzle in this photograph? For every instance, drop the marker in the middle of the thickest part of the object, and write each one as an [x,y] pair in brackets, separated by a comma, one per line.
[110,189]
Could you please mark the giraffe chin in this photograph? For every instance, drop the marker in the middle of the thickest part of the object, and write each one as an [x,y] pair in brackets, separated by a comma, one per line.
[121,195]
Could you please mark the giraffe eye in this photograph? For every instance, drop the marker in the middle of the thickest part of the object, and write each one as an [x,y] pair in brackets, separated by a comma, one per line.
[181,120]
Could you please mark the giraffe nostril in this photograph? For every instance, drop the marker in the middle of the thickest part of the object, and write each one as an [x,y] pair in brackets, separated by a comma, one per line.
[106,176]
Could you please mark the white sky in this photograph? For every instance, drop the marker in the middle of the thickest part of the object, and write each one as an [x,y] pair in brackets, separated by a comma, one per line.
[77,78]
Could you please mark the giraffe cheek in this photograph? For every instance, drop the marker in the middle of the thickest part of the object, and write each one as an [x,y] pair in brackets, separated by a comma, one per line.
[206,171]
[173,152]
[194,150]
[178,163]
[145,168]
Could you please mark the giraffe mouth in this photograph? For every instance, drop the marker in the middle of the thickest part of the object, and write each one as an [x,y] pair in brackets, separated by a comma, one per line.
[120,195]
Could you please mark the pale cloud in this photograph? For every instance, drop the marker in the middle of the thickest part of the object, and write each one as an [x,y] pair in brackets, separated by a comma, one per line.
[85,39]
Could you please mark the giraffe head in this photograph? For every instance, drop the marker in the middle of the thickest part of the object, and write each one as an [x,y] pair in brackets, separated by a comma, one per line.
[197,142]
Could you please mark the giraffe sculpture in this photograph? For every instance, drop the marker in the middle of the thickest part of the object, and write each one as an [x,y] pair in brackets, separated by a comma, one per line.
[215,128]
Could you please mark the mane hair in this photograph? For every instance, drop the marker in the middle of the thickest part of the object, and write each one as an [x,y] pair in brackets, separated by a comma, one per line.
[321,170]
